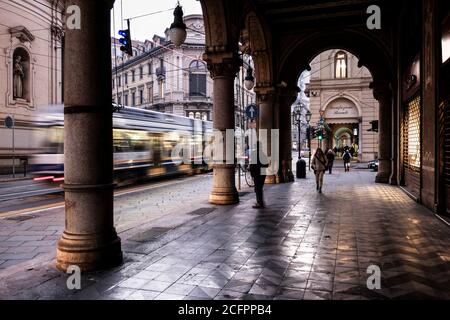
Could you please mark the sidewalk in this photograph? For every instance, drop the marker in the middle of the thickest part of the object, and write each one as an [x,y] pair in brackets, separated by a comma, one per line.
[303,246]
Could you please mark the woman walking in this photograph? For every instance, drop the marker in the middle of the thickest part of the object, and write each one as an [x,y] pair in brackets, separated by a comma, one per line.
[319,165]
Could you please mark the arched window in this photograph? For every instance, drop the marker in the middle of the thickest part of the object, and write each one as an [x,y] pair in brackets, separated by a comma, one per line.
[197,78]
[341,65]
[191,115]
[197,115]
[204,116]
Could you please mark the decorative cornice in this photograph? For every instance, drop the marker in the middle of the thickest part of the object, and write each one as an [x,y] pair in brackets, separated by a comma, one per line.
[21,33]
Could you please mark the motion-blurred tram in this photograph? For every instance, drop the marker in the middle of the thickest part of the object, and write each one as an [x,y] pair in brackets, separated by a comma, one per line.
[143,143]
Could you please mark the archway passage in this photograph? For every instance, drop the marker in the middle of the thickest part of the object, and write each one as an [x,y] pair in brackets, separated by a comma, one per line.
[337,92]
[283,37]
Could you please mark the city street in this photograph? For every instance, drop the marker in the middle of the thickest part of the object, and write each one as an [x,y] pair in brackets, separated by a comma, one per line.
[225,150]
[302,246]
[29,227]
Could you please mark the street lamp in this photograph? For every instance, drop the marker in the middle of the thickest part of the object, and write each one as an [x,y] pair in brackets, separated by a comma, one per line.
[249,79]
[301,164]
[178,28]
[308,119]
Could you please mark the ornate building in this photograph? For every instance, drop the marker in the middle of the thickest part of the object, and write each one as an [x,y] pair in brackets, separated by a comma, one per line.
[339,92]
[173,80]
[31,68]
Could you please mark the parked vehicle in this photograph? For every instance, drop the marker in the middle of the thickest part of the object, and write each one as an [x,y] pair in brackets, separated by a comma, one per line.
[373,165]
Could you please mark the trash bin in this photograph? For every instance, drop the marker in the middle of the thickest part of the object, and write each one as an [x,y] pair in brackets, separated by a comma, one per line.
[301,169]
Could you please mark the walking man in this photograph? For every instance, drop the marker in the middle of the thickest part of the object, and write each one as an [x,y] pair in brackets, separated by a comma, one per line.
[330,157]
[347,158]
[258,161]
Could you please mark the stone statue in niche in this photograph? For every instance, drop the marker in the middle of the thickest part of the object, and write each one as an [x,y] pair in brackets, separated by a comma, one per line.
[18,78]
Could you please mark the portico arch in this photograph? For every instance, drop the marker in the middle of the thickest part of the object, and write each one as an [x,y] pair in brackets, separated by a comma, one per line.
[372,53]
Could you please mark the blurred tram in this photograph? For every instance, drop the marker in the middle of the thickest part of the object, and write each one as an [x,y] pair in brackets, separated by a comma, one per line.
[143,143]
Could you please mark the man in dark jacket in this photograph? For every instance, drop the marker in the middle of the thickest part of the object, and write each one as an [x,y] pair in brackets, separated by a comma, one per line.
[347,158]
[330,157]
[258,161]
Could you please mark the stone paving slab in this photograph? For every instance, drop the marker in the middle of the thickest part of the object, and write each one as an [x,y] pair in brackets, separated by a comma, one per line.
[303,246]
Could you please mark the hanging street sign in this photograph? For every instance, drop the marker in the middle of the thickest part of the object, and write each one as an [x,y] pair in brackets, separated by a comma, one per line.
[9,122]
[252,111]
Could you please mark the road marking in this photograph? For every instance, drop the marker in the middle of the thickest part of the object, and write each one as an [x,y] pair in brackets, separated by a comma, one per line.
[42,192]
[60,205]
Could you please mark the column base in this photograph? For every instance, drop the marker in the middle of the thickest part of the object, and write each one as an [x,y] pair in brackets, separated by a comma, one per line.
[224,197]
[382,178]
[88,252]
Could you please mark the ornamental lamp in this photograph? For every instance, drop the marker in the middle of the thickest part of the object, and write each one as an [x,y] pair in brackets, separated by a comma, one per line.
[178,27]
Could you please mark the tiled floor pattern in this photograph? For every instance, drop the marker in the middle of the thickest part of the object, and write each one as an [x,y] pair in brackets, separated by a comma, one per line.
[303,246]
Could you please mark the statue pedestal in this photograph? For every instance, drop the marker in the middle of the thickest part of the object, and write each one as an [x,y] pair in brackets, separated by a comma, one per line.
[19,102]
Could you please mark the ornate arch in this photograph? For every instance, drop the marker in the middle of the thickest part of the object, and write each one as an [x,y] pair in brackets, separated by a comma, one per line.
[347,96]
[370,51]
[259,42]
[221,19]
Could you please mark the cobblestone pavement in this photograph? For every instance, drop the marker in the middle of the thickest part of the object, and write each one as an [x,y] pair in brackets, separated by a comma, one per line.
[303,246]
[33,236]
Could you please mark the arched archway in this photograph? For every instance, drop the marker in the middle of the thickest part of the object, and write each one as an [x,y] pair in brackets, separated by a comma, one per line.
[371,53]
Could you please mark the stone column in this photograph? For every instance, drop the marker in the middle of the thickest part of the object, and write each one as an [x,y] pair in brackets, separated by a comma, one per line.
[265,98]
[286,98]
[89,240]
[383,94]
[223,69]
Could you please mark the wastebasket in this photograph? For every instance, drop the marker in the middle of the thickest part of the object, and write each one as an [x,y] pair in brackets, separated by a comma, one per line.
[301,169]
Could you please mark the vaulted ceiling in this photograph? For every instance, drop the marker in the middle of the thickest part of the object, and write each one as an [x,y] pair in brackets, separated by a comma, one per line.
[293,16]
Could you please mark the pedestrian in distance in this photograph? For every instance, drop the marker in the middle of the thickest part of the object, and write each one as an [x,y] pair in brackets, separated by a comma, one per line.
[347,158]
[319,165]
[258,161]
[330,157]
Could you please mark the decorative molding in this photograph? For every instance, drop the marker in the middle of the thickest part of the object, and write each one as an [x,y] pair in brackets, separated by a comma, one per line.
[22,33]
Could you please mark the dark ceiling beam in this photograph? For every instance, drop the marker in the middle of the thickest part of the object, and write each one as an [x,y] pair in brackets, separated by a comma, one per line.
[324,17]
[297,6]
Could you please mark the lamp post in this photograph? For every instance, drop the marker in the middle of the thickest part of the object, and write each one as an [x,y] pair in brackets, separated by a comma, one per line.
[308,119]
[301,164]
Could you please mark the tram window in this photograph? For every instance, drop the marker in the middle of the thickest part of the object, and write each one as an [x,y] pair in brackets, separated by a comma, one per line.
[130,141]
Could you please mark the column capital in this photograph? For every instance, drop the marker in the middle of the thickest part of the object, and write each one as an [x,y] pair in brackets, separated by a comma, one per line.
[223,64]
[381,90]
[264,94]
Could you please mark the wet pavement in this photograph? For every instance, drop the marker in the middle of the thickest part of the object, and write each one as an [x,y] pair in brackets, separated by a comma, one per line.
[304,245]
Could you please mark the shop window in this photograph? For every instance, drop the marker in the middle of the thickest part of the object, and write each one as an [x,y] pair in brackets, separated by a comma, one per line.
[411,135]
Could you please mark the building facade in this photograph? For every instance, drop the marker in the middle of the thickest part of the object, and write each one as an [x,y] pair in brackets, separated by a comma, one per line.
[164,78]
[339,92]
[30,71]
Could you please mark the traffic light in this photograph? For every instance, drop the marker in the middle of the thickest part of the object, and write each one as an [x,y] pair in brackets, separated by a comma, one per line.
[374,125]
[320,134]
[125,40]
